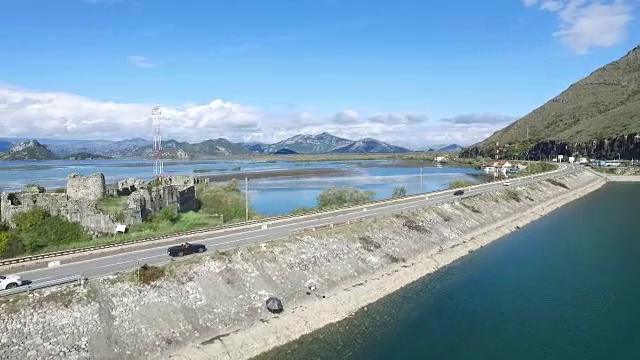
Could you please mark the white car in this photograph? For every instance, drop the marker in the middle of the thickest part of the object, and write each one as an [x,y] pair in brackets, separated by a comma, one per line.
[10,281]
[507,183]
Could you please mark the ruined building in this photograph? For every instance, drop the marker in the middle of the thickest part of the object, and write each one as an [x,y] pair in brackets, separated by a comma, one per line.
[82,201]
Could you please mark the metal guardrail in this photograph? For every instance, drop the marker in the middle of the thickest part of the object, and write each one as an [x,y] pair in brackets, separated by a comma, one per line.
[79,279]
[41,285]
[236,225]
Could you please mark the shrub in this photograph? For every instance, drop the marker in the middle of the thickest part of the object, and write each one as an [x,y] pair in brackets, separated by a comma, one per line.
[169,214]
[31,219]
[399,192]
[36,187]
[150,273]
[10,246]
[456,184]
[37,229]
[335,197]
[227,200]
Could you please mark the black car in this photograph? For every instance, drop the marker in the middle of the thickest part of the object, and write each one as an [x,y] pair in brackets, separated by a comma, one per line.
[458,192]
[186,249]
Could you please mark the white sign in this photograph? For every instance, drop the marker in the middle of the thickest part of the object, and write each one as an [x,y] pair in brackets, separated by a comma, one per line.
[121,228]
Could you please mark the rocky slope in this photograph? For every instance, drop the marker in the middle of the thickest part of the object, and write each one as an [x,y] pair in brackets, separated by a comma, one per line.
[598,116]
[213,296]
[28,150]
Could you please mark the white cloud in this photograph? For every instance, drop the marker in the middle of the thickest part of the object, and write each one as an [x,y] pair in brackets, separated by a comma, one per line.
[140,61]
[37,114]
[585,24]
[480,118]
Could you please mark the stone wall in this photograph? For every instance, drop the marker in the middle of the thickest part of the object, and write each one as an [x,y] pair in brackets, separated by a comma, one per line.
[91,187]
[72,209]
[79,203]
[114,318]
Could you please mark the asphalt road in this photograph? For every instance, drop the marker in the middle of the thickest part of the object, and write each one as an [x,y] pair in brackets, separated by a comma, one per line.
[131,259]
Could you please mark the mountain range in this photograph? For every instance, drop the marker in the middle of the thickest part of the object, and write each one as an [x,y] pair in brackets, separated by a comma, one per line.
[323,143]
[598,116]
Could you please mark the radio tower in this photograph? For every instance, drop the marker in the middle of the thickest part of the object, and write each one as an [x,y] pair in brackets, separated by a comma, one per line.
[158,165]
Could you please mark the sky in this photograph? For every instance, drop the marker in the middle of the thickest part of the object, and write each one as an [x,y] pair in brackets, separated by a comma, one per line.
[410,72]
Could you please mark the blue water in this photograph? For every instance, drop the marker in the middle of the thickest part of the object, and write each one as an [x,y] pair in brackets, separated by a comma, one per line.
[562,288]
[269,196]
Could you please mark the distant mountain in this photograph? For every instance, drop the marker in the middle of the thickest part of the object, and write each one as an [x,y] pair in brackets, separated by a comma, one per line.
[369,146]
[255,147]
[452,147]
[185,150]
[5,146]
[310,144]
[285,152]
[142,148]
[28,150]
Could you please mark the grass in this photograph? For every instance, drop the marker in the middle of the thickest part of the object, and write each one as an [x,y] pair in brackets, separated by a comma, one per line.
[442,215]
[112,204]
[457,184]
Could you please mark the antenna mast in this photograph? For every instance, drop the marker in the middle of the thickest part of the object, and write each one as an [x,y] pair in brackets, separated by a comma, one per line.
[158,165]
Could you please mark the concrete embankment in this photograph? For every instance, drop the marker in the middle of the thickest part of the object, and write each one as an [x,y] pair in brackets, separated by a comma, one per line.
[213,306]
[622,178]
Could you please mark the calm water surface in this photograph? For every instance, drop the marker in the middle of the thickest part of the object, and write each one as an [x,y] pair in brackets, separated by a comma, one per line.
[565,287]
[269,196]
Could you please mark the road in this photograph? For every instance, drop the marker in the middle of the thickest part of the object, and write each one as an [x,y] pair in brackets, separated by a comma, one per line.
[157,254]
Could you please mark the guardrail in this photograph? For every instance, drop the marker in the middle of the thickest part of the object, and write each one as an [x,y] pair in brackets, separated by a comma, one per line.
[239,224]
[79,278]
[45,284]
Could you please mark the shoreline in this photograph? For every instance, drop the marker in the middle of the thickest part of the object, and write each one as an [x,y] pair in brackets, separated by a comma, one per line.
[621,178]
[347,298]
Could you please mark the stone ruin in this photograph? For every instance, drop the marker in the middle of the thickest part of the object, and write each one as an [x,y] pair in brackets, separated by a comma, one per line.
[80,202]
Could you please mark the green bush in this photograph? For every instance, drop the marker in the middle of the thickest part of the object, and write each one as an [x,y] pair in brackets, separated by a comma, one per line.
[168,214]
[335,197]
[399,192]
[457,184]
[227,200]
[37,229]
[10,246]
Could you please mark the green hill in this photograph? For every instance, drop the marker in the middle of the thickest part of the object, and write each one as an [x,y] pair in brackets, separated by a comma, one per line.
[598,116]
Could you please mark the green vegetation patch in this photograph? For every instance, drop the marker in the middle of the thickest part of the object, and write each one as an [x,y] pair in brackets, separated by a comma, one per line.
[457,184]
[470,207]
[112,204]
[368,243]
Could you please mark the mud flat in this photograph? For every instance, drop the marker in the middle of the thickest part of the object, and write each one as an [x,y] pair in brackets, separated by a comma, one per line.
[212,307]
[318,172]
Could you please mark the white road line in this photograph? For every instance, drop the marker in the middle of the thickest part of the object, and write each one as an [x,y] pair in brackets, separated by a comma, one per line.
[380,209]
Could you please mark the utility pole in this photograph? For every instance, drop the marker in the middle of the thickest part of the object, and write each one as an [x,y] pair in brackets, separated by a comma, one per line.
[246,197]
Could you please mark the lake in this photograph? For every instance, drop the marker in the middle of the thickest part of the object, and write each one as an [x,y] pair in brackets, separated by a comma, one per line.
[268,196]
[564,287]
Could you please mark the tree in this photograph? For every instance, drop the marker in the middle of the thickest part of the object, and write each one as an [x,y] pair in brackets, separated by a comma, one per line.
[335,197]
[399,192]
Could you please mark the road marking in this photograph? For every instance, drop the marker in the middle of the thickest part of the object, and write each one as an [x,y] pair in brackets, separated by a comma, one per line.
[380,209]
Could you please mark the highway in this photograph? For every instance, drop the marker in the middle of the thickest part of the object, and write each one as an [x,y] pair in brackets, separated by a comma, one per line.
[129,259]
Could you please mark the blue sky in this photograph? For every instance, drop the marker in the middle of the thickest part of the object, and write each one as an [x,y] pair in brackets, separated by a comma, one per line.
[275,64]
